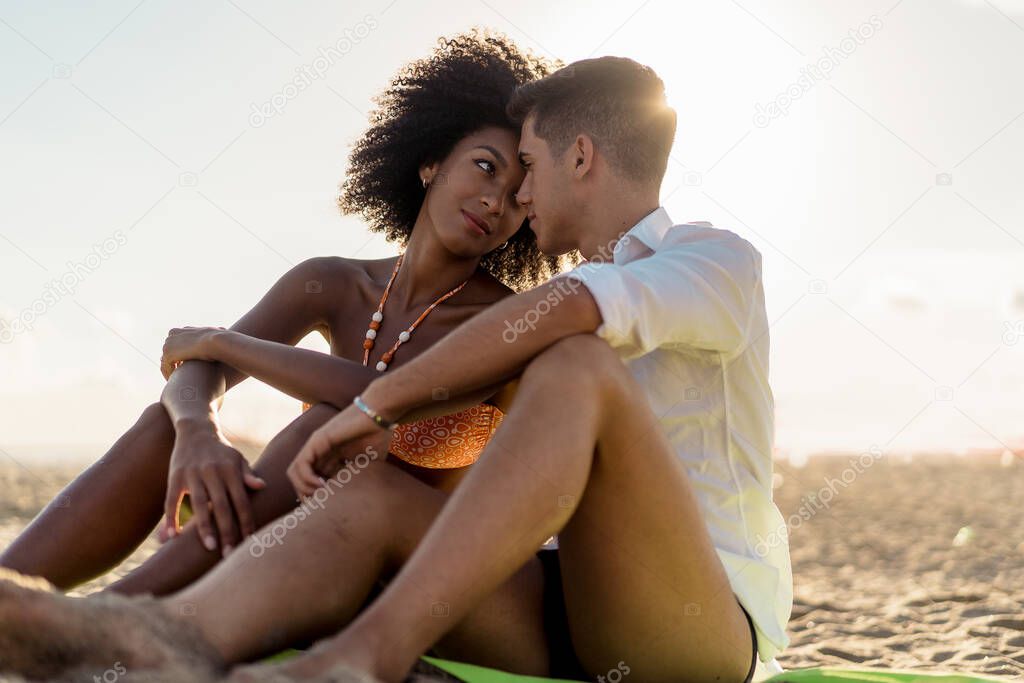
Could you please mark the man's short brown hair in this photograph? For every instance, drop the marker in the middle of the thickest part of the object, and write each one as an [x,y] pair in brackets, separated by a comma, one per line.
[618,102]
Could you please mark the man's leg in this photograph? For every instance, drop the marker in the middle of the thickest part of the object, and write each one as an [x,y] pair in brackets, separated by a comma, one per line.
[183,559]
[121,494]
[307,581]
[580,453]
[269,595]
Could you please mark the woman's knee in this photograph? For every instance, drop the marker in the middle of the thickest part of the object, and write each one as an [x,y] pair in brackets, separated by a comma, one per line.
[301,427]
[280,450]
[154,419]
[151,437]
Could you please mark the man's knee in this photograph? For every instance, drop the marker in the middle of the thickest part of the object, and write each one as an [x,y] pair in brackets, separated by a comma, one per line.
[578,358]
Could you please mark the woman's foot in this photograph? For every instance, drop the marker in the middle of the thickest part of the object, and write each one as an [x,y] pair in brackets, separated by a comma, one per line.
[44,634]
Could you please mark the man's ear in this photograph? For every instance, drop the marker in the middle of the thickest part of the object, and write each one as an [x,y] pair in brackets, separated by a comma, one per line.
[581,155]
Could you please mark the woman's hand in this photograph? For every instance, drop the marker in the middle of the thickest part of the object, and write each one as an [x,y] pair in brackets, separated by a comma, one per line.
[187,343]
[341,438]
[217,479]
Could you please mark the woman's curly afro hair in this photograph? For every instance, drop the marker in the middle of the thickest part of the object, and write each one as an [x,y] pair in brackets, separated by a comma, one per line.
[429,107]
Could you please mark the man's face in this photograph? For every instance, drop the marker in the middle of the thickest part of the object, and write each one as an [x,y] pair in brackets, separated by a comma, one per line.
[545,192]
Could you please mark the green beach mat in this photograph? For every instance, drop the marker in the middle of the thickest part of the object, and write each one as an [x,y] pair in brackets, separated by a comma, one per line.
[831,674]
[470,673]
[478,674]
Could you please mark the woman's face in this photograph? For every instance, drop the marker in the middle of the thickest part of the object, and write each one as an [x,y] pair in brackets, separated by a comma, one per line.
[471,199]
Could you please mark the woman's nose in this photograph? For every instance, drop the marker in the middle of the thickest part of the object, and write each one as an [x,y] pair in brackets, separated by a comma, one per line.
[493,204]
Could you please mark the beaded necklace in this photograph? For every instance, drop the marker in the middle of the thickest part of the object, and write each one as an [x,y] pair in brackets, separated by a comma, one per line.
[406,334]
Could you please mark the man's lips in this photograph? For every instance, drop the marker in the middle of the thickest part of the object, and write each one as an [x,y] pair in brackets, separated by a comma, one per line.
[479,222]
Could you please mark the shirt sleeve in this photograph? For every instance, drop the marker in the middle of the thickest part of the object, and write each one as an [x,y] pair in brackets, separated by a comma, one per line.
[697,294]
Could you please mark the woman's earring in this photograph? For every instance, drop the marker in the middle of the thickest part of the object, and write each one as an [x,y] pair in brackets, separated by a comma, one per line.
[425,183]
[504,245]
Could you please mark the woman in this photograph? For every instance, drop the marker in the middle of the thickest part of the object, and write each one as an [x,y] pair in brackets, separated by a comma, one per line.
[437,172]
[440,148]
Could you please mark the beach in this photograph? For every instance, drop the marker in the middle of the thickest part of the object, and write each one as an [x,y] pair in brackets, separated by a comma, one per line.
[898,562]
[915,564]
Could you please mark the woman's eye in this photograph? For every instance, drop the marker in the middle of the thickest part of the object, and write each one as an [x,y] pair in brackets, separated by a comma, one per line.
[490,168]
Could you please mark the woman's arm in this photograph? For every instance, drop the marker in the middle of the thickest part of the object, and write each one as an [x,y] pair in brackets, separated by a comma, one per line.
[286,313]
[307,375]
[203,462]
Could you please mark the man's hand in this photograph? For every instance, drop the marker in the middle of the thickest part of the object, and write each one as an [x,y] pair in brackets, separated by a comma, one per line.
[372,448]
[339,439]
[215,476]
[187,343]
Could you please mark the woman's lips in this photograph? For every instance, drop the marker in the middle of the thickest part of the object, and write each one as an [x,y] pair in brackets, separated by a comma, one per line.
[473,226]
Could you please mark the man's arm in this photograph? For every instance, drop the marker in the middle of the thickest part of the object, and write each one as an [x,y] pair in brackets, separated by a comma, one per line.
[492,347]
[694,293]
[698,291]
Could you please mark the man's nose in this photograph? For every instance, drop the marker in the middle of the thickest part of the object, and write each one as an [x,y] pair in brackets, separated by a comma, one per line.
[523,196]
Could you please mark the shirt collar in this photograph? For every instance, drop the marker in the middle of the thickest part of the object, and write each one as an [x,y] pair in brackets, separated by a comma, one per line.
[649,232]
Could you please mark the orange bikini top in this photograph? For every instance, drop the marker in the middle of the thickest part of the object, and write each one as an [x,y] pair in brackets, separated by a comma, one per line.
[443,442]
[446,441]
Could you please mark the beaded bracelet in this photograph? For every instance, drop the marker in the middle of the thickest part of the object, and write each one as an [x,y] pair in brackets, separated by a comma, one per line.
[372,414]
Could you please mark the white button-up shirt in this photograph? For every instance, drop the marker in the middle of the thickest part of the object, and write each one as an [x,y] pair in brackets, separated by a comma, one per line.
[684,307]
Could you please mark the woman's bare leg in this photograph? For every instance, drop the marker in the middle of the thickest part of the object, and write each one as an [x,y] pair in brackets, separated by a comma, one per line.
[121,494]
[184,559]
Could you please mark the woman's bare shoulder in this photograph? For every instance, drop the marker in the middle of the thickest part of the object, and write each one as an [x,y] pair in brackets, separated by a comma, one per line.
[342,270]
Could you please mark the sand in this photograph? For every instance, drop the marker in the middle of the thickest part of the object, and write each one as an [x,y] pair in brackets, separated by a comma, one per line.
[912,563]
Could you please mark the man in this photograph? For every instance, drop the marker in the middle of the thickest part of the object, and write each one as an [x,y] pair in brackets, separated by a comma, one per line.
[651,462]
[640,434]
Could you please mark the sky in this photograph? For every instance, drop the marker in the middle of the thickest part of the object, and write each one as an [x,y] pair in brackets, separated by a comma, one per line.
[158,171]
